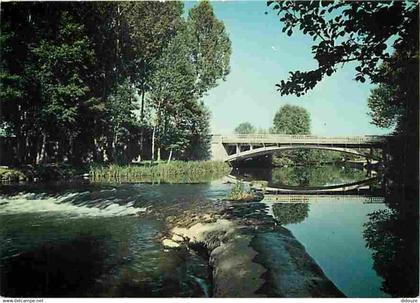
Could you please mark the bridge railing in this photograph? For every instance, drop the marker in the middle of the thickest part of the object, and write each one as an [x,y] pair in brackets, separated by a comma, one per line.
[275,138]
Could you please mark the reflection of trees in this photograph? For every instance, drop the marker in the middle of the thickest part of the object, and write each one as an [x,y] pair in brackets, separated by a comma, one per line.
[63,269]
[316,175]
[395,252]
[293,176]
[290,213]
[308,157]
[393,234]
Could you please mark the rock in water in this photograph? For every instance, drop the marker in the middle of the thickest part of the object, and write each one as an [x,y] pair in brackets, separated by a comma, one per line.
[168,243]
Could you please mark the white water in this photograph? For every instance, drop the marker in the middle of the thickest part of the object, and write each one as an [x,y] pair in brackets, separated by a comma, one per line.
[40,203]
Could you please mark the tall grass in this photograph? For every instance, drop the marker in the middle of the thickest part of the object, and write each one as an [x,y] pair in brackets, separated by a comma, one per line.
[239,192]
[173,172]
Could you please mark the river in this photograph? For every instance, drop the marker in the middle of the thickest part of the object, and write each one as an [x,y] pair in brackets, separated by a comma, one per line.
[79,239]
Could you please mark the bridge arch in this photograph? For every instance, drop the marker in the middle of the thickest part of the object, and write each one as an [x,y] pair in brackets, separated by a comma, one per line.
[269,150]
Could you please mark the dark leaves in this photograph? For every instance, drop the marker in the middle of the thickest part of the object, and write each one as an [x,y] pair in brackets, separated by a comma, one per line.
[366,27]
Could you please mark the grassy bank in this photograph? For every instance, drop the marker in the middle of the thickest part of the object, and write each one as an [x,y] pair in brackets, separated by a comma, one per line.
[42,172]
[173,172]
[11,175]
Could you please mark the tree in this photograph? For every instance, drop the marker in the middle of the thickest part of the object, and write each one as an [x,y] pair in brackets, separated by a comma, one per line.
[70,74]
[245,128]
[60,65]
[190,65]
[210,47]
[394,102]
[384,112]
[295,120]
[51,55]
[172,91]
[292,120]
[151,25]
[123,129]
[200,138]
[346,31]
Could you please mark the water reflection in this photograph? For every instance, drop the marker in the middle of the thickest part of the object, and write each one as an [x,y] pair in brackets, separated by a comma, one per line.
[290,213]
[331,230]
[54,269]
[393,234]
[304,176]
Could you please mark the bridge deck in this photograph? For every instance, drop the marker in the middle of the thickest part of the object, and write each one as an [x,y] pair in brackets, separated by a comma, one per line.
[299,139]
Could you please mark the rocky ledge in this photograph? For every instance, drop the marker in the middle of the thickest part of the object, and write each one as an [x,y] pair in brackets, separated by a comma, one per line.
[252,257]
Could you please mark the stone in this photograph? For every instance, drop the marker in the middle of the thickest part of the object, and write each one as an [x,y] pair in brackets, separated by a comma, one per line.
[177,238]
[170,244]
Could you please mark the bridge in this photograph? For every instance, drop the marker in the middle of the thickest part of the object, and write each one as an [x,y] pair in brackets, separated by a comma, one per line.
[232,148]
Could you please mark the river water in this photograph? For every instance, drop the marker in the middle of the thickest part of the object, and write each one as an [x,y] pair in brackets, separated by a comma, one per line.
[82,239]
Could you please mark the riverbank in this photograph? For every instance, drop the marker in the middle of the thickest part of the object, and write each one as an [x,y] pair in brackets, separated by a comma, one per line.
[47,172]
[147,172]
[11,175]
[173,172]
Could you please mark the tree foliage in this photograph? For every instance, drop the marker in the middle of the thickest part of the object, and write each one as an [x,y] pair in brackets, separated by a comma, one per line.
[292,120]
[72,76]
[191,64]
[245,128]
[346,31]
[394,102]
[210,47]
[384,112]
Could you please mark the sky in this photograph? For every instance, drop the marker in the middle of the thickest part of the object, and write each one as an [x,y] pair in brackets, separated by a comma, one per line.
[262,56]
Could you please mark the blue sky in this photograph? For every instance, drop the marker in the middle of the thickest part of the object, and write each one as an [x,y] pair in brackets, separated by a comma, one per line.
[262,56]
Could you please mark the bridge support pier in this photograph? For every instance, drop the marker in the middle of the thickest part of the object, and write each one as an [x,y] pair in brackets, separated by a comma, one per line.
[218,151]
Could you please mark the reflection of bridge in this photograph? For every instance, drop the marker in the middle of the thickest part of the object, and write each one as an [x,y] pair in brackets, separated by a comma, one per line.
[349,187]
[239,147]
[358,187]
[320,198]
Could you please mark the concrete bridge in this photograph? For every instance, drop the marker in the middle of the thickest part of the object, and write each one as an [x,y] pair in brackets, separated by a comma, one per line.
[232,148]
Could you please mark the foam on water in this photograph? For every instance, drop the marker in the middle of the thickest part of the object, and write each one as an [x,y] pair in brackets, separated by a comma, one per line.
[62,205]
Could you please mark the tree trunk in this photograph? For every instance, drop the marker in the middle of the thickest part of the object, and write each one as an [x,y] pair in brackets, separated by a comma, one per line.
[158,154]
[41,156]
[170,156]
[142,103]
[153,143]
